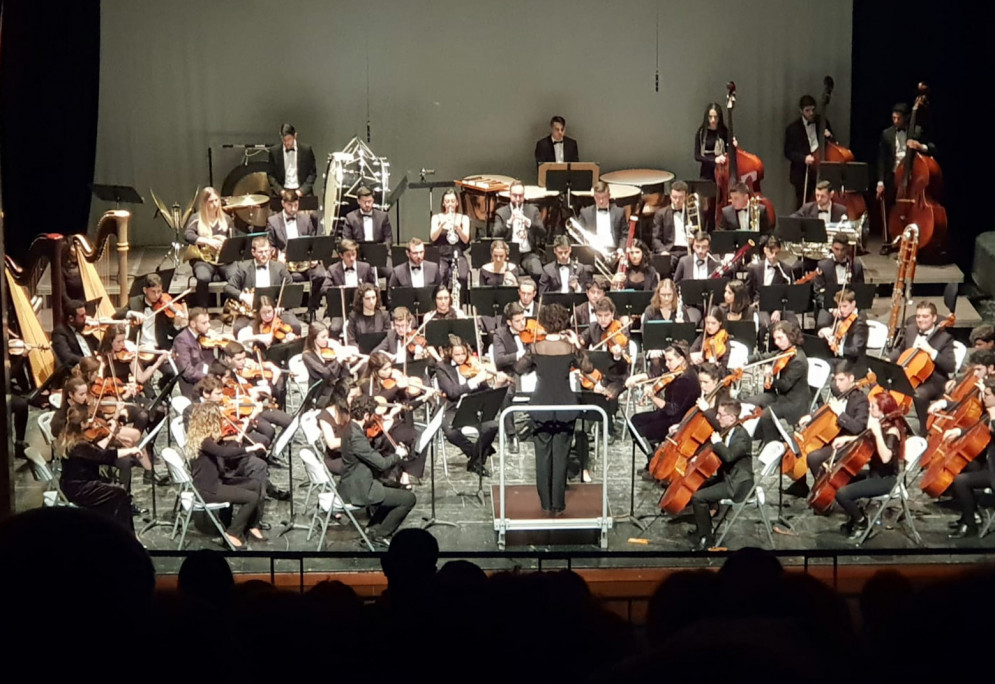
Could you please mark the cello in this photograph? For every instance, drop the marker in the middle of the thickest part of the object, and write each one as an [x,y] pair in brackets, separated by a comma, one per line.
[953,455]
[917,366]
[740,167]
[832,152]
[918,184]
[846,463]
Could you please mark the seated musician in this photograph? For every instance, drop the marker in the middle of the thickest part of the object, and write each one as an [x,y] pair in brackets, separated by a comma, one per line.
[671,230]
[665,304]
[770,271]
[287,225]
[80,479]
[833,271]
[368,224]
[401,341]
[979,474]
[69,342]
[192,358]
[601,334]
[786,391]
[712,345]
[450,232]
[736,216]
[823,207]
[679,395]
[126,373]
[640,274]
[361,465]
[216,468]
[291,165]
[713,393]
[445,309]
[699,265]
[349,271]
[260,272]
[367,315]
[527,289]
[732,444]
[847,336]
[207,231]
[595,291]
[389,385]
[851,407]
[556,147]
[888,431]
[979,365]
[562,274]
[321,359]
[451,374]
[415,272]
[605,220]
[267,328]
[498,272]
[982,337]
[736,304]
[507,349]
[333,419]
[521,224]
[923,333]
[263,382]
[155,329]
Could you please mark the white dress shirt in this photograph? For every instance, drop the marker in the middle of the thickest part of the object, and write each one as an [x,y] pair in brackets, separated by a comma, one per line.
[417,275]
[680,232]
[565,278]
[367,227]
[83,346]
[811,130]
[290,181]
[901,140]
[700,267]
[743,216]
[290,223]
[603,223]
[351,276]
[558,150]
[262,275]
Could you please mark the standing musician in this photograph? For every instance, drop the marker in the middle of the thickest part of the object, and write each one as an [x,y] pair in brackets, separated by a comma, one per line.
[801,142]
[736,216]
[679,395]
[670,224]
[734,479]
[287,225]
[640,274]
[450,231]
[847,336]
[69,341]
[457,374]
[192,358]
[207,231]
[521,224]
[260,272]
[736,304]
[80,480]
[367,224]
[711,142]
[498,272]
[556,147]
[552,359]
[823,207]
[851,407]
[267,328]
[415,272]
[888,431]
[349,271]
[360,486]
[833,271]
[895,142]
[604,219]
[980,476]
[150,314]
[563,275]
[320,358]
[786,390]
[923,333]
[214,464]
[401,341]
[712,345]
[291,165]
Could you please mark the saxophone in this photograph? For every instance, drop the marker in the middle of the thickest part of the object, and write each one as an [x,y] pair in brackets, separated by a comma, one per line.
[901,295]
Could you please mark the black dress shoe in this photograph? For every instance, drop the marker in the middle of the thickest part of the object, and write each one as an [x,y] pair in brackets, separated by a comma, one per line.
[703,544]
[278,494]
[479,469]
[854,529]
[798,488]
[963,531]
[160,480]
[135,510]
[264,526]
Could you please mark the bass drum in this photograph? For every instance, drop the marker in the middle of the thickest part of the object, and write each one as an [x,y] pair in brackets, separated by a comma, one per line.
[248,179]
[342,180]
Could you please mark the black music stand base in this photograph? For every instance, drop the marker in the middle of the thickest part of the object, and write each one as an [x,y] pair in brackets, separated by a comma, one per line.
[431,520]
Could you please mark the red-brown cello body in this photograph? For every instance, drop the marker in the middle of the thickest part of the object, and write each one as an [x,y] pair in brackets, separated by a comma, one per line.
[952,456]
[849,461]
[741,166]
[834,153]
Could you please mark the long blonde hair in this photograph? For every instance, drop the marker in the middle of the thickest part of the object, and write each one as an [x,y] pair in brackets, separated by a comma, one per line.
[203,227]
[205,422]
[73,432]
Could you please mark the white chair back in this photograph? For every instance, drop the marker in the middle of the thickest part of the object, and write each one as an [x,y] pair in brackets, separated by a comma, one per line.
[751,424]
[55,399]
[819,371]
[178,431]
[312,431]
[960,354]
[179,404]
[739,354]
[298,371]
[770,458]
[45,425]
[316,472]
[177,469]
[877,335]
[915,447]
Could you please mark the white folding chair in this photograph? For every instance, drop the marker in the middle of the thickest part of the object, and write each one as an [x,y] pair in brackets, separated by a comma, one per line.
[960,354]
[189,499]
[328,502]
[53,495]
[739,354]
[819,371]
[179,404]
[298,382]
[769,461]
[915,447]
[877,338]
[178,431]
[749,425]
[45,425]
[311,430]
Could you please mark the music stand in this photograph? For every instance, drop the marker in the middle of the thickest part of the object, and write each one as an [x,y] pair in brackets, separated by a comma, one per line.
[293,295]
[480,251]
[784,297]
[890,376]
[399,253]
[149,441]
[473,410]
[374,253]
[662,334]
[237,248]
[426,440]
[311,248]
[417,369]
[137,285]
[743,331]
[731,241]
[799,229]
[585,254]
[847,177]
[663,264]
[817,348]
[418,300]
[437,332]
[295,423]
[337,298]
[116,193]
[490,301]
[280,354]
[863,292]
[567,300]
[638,441]
[367,342]
[630,302]
[699,292]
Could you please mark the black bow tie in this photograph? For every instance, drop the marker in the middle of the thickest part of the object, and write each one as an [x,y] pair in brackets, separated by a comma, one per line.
[416,268]
[350,268]
[557,142]
[369,216]
[262,267]
[700,262]
[602,211]
[290,218]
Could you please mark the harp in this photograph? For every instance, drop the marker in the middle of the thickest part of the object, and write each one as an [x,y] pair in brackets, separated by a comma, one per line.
[90,258]
[41,358]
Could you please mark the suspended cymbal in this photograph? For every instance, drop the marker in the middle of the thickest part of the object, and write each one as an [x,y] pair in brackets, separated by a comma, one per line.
[244,202]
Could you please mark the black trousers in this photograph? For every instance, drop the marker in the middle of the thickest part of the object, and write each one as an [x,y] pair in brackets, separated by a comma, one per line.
[552,447]
[864,486]
[106,499]
[205,273]
[388,515]
[966,482]
[249,496]
[654,425]
[817,458]
[477,453]
[700,501]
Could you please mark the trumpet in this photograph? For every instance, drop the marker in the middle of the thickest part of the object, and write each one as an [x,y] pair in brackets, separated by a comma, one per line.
[519,223]
[590,239]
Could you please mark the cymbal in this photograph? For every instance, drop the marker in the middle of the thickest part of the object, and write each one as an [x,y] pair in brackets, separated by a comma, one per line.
[244,201]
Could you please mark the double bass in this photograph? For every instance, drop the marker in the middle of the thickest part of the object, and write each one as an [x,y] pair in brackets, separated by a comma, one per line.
[832,152]
[918,185]
[740,167]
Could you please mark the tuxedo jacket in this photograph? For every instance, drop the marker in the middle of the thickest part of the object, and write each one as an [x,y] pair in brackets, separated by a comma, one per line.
[550,280]
[855,345]
[886,152]
[307,169]
[685,267]
[945,362]
[505,349]
[364,272]
[352,227]
[663,231]
[588,219]
[537,233]
[276,228]
[853,420]
[827,274]
[755,278]
[244,277]
[737,461]
[544,150]
[811,210]
[729,221]
[66,346]
[361,465]
[796,148]
[401,275]
[190,359]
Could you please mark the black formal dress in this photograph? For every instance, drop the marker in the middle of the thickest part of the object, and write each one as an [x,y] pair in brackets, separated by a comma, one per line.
[878,479]
[680,395]
[81,483]
[213,476]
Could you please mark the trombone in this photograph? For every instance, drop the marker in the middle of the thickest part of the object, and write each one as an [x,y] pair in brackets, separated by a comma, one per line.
[590,239]
[692,216]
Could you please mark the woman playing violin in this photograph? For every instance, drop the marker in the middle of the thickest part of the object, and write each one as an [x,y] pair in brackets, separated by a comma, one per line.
[320,358]
[266,328]
[640,275]
[786,390]
[678,395]
[888,430]
[712,344]
[847,336]
[122,375]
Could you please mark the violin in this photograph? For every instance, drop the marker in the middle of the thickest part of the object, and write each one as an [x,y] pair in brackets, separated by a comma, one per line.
[392,380]
[588,381]
[840,330]
[127,355]
[170,306]
[416,341]
[614,335]
[18,347]
[533,332]
[781,362]
[474,366]
[214,341]
[715,346]
[99,429]
[277,328]
[254,370]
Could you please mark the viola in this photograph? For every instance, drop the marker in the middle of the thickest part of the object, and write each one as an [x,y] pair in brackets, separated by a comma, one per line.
[253,370]
[840,330]
[415,341]
[474,366]
[715,346]
[952,456]
[533,332]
